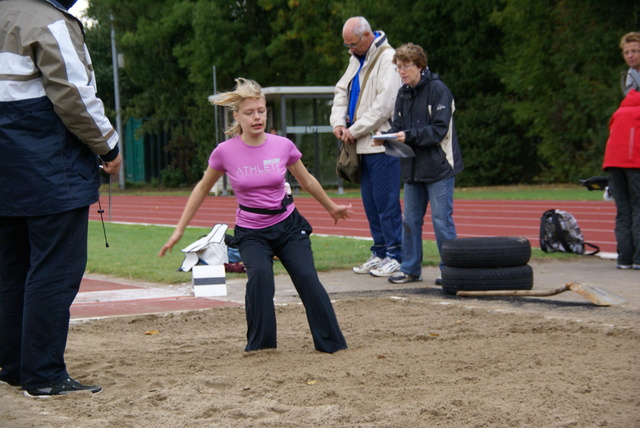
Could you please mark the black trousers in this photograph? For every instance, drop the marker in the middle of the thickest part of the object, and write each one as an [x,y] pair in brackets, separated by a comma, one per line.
[289,241]
[624,184]
[42,261]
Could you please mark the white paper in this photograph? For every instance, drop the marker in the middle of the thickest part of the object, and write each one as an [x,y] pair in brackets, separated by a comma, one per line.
[385,137]
[208,250]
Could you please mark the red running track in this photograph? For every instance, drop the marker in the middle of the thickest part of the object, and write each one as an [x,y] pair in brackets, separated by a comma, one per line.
[472,217]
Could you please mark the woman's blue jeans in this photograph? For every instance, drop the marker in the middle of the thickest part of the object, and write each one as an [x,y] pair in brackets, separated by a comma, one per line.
[416,198]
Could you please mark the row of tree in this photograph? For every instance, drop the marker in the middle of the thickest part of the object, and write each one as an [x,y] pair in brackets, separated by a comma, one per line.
[535,81]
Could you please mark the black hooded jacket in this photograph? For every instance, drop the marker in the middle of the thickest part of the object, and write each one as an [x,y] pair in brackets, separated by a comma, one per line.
[425,114]
[53,126]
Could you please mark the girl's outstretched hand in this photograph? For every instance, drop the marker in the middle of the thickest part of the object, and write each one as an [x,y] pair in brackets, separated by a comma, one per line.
[342,212]
[173,240]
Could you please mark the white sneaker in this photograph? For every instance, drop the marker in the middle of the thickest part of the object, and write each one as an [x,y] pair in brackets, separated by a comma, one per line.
[373,262]
[388,267]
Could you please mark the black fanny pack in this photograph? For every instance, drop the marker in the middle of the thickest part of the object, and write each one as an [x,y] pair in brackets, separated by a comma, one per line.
[288,200]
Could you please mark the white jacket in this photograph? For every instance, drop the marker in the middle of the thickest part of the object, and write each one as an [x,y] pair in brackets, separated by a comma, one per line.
[377,96]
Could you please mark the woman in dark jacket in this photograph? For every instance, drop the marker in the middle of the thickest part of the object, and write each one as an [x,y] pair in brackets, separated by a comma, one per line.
[423,119]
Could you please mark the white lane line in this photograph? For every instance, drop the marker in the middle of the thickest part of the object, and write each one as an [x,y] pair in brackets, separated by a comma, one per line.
[89,297]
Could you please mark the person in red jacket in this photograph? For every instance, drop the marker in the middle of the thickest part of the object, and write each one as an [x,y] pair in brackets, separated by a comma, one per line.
[622,162]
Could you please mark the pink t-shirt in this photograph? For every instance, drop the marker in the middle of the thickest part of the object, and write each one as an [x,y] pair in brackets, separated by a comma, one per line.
[257,176]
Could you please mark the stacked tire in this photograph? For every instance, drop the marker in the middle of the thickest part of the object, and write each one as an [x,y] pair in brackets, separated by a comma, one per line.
[486,263]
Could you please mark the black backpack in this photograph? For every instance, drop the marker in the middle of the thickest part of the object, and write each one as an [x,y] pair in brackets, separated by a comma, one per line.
[559,231]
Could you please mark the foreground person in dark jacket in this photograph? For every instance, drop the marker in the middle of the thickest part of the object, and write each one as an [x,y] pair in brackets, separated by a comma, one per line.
[52,130]
[423,119]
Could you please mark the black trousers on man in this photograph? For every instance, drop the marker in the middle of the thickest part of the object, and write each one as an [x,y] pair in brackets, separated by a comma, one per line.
[289,241]
[42,261]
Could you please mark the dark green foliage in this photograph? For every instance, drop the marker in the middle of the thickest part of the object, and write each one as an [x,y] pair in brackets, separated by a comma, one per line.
[561,63]
[535,82]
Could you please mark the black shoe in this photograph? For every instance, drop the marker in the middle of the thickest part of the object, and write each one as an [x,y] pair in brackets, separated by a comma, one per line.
[438,281]
[67,386]
[402,278]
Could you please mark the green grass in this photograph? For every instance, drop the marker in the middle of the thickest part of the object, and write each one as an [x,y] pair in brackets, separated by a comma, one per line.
[561,192]
[555,192]
[133,251]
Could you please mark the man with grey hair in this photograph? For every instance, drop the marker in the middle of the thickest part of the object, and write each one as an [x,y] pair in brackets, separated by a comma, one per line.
[362,106]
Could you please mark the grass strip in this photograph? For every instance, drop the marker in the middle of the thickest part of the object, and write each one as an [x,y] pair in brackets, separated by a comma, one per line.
[133,251]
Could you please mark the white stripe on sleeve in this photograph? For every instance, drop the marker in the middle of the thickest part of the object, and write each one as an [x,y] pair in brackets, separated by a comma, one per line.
[77,76]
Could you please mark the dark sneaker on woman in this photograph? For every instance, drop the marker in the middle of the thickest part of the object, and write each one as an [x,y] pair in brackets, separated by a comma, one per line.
[402,278]
[67,386]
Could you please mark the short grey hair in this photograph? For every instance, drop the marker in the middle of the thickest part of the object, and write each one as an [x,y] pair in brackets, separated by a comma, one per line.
[362,26]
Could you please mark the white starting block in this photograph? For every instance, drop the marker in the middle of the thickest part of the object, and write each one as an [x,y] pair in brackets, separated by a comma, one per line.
[209,281]
[205,258]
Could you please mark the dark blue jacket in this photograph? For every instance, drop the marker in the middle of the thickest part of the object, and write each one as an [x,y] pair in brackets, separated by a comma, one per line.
[425,114]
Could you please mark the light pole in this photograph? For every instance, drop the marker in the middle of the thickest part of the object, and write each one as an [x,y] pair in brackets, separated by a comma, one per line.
[116,90]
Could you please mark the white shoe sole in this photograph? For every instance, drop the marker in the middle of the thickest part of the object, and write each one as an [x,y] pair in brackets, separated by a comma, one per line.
[382,274]
[361,272]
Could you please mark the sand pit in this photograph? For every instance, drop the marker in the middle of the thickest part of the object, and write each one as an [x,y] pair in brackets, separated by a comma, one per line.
[410,363]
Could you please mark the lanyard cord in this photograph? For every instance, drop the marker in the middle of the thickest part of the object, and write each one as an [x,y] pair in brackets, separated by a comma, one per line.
[101,211]
[109,200]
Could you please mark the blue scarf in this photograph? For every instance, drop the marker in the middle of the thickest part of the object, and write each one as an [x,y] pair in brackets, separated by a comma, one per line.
[355,91]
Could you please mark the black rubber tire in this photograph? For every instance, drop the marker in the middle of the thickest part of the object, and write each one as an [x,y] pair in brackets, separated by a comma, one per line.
[486,252]
[484,279]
